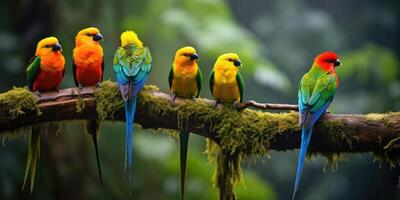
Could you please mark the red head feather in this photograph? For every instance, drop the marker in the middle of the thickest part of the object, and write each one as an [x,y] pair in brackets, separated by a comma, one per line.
[327,61]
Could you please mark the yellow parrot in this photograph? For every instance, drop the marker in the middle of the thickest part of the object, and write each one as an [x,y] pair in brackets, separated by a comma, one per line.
[185,80]
[226,83]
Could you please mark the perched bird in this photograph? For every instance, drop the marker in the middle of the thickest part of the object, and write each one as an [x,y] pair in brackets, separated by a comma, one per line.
[226,83]
[316,92]
[185,80]
[88,68]
[46,70]
[44,74]
[132,64]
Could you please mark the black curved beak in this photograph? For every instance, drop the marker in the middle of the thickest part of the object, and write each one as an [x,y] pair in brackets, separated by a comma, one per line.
[97,37]
[337,63]
[237,63]
[56,47]
[194,56]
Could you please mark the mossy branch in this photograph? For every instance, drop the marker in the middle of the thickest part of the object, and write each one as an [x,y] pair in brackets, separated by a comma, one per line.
[251,131]
[239,132]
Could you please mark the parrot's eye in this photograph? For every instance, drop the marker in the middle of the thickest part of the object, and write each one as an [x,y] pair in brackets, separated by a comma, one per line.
[230,60]
[48,46]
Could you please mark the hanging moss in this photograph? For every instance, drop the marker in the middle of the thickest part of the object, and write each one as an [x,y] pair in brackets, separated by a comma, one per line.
[80,103]
[333,160]
[108,100]
[228,171]
[18,101]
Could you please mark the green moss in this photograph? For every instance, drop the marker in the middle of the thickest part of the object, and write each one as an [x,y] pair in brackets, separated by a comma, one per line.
[333,160]
[80,103]
[108,100]
[18,101]
[228,171]
[374,117]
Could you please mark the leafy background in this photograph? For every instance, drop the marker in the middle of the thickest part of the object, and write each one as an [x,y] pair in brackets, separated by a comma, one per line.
[276,40]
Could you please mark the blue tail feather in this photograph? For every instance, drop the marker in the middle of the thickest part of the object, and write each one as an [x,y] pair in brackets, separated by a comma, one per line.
[130,108]
[305,140]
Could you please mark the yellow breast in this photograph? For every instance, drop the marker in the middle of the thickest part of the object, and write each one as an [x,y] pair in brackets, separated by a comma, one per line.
[225,87]
[184,83]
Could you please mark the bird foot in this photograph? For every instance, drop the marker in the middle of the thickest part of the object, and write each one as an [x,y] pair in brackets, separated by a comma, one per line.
[216,103]
[80,87]
[38,93]
[98,85]
[173,97]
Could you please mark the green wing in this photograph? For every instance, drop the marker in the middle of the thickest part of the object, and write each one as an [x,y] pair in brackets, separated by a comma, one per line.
[199,80]
[323,92]
[171,77]
[314,97]
[147,60]
[32,71]
[240,83]
[212,82]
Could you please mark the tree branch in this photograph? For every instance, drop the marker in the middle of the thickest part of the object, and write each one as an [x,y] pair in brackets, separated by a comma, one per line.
[246,130]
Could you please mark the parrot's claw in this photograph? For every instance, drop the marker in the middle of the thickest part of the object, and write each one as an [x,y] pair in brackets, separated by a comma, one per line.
[173,97]
[216,103]
[80,87]
[38,93]
[98,85]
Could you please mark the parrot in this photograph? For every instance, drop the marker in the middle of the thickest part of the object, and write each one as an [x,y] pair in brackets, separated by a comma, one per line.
[132,65]
[88,68]
[316,92]
[44,74]
[226,83]
[185,79]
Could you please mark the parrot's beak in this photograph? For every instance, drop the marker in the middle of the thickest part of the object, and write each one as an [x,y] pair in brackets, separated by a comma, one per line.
[237,63]
[194,56]
[97,37]
[337,63]
[56,47]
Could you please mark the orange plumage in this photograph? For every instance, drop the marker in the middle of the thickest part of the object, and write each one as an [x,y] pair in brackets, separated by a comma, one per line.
[51,69]
[88,57]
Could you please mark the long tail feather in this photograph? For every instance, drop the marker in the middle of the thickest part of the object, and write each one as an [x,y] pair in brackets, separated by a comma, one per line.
[33,156]
[184,140]
[130,108]
[92,127]
[305,140]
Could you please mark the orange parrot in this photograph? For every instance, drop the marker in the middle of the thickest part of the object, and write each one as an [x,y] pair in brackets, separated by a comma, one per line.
[88,67]
[47,67]
[43,74]
[88,64]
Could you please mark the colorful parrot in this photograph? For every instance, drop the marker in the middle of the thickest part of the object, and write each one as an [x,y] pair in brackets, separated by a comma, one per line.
[88,68]
[132,65]
[226,83]
[185,80]
[44,74]
[316,92]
